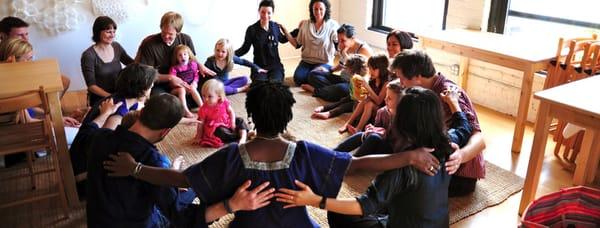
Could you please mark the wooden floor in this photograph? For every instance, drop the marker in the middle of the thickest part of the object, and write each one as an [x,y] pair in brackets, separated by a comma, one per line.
[498,129]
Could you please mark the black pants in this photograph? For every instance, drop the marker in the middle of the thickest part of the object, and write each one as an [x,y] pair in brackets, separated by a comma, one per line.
[460,186]
[336,220]
[227,135]
[273,75]
[344,105]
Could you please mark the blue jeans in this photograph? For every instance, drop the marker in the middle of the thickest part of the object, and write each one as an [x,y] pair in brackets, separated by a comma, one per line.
[304,70]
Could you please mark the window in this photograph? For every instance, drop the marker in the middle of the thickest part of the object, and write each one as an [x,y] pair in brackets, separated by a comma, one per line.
[408,15]
[548,17]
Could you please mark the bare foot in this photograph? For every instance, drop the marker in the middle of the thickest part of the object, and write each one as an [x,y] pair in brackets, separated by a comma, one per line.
[308,88]
[243,88]
[343,129]
[320,115]
[178,162]
[351,129]
[188,114]
[319,109]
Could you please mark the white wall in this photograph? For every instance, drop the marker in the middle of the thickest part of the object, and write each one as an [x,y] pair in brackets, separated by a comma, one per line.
[205,22]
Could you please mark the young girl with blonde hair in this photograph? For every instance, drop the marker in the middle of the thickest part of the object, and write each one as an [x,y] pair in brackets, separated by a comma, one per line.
[218,123]
[185,66]
[222,64]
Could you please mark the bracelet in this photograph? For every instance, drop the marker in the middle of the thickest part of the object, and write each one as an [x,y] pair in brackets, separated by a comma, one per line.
[137,169]
[227,207]
[323,202]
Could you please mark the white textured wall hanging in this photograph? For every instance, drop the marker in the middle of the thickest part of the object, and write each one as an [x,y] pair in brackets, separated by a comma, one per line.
[115,9]
[53,16]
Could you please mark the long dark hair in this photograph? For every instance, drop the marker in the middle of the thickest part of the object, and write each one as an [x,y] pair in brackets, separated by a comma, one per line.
[419,123]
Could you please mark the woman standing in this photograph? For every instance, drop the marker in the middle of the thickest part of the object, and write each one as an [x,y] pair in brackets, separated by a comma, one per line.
[101,63]
[317,37]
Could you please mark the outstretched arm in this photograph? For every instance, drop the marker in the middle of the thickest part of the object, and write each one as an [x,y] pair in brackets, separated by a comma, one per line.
[420,158]
[243,198]
[306,197]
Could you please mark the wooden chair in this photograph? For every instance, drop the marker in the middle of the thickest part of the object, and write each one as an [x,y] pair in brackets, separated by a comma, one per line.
[21,136]
[559,61]
[575,68]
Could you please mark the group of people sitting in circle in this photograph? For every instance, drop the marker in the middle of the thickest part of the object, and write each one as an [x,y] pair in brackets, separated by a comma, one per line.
[408,122]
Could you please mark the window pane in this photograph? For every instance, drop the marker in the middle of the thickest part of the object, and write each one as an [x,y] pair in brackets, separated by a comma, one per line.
[525,26]
[579,10]
[413,16]
[572,10]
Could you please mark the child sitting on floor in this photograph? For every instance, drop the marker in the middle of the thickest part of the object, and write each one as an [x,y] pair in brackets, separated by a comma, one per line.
[356,64]
[185,67]
[218,123]
[222,64]
[374,95]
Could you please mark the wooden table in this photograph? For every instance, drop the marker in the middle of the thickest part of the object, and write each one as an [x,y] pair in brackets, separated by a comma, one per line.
[528,56]
[17,78]
[576,103]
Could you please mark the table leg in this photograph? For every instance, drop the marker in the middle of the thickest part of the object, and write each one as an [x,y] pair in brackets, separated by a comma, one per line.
[463,72]
[587,161]
[63,152]
[526,87]
[536,158]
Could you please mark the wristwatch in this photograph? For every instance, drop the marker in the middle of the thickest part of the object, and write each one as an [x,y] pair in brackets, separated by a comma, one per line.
[323,202]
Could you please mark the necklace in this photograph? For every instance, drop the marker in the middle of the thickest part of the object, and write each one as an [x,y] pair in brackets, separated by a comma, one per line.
[268,138]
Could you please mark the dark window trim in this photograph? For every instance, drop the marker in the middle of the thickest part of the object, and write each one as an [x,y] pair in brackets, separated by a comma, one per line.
[378,14]
[498,14]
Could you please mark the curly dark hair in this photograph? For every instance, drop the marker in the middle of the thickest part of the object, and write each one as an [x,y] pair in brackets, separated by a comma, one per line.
[269,105]
[134,80]
[327,10]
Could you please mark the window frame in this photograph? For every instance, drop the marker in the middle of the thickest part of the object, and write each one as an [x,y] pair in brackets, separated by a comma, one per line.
[500,11]
[378,13]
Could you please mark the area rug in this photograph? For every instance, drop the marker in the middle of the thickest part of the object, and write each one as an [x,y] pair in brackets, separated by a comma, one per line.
[494,189]
[498,185]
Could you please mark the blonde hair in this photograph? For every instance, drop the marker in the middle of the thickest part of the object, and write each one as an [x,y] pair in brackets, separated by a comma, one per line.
[227,45]
[356,64]
[172,19]
[396,86]
[182,47]
[14,47]
[216,86]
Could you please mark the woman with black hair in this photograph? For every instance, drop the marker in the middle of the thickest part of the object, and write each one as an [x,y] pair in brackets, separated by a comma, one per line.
[410,198]
[266,158]
[101,63]
[317,38]
[396,41]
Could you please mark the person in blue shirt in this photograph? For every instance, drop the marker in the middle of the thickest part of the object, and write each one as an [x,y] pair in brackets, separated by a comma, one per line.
[264,36]
[128,202]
